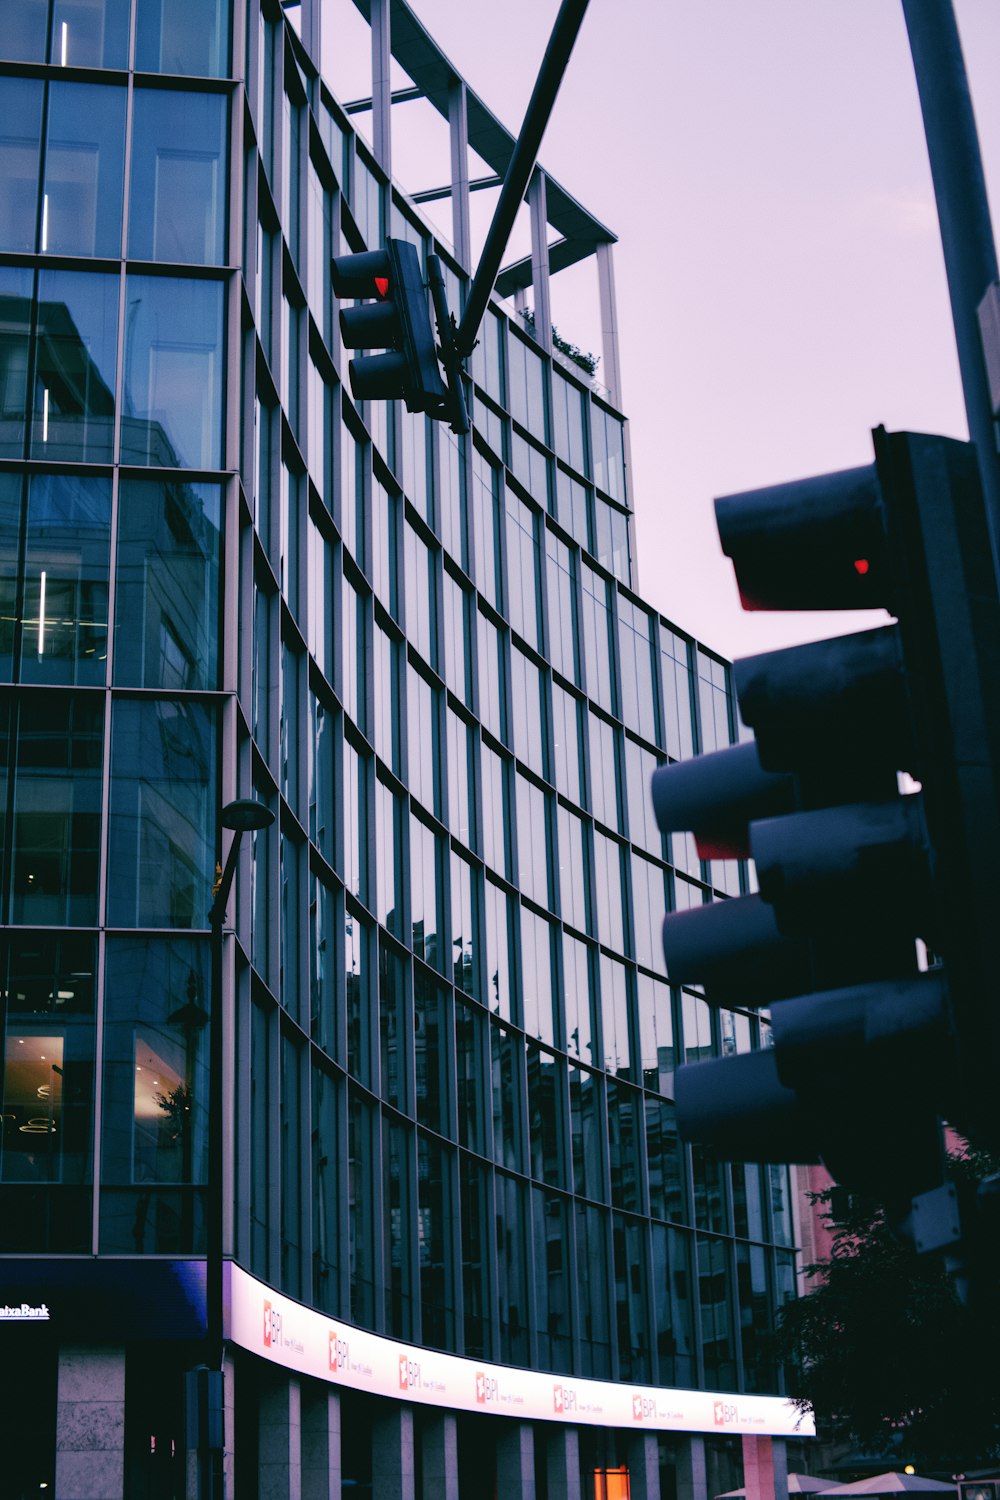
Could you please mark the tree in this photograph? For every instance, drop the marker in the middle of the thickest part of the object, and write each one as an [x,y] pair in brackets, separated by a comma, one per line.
[885,1348]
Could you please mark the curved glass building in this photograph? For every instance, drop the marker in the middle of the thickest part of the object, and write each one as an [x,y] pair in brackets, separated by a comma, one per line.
[466,1253]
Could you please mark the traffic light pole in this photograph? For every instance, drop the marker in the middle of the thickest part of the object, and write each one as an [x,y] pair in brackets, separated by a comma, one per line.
[519,170]
[970,256]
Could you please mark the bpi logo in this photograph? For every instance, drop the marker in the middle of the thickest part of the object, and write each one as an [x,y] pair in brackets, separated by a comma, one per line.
[409,1372]
[272,1326]
[642,1407]
[339,1350]
[487,1388]
[563,1398]
[725,1413]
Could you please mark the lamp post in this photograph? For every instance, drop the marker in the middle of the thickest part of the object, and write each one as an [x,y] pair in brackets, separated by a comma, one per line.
[245,815]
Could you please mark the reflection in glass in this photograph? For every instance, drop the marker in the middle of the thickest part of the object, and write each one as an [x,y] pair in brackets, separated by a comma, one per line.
[176,204]
[22,37]
[155,1123]
[167,614]
[64,636]
[15,329]
[90,33]
[11,486]
[172,395]
[74,394]
[20,135]
[84,170]
[162,814]
[182,36]
[46,1091]
[57,799]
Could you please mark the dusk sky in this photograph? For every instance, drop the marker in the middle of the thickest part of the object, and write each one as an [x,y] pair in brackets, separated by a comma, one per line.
[780,281]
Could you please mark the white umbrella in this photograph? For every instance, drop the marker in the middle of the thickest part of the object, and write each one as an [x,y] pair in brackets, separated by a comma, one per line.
[892,1484]
[798,1484]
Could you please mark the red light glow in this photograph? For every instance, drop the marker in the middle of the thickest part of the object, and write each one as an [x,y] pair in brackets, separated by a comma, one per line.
[861,565]
[382,287]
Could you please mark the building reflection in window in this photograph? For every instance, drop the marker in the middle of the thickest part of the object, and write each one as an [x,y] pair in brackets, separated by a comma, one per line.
[172,394]
[52,743]
[84,170]
[155,1129]
[46,1088]
[177,208]
[162,814]
[168,585]
[75,336]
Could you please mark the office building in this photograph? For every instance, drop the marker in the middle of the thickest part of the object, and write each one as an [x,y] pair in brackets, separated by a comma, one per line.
[449,1145]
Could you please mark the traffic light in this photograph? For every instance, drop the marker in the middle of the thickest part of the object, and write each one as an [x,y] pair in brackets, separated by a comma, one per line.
[393,316]
[869,803]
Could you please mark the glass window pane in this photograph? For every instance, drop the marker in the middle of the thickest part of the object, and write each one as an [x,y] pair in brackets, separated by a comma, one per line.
[90,33]
[533,841]
[576,991]
[57,801]
[155,1118]
[15,328]
[675,676]
[485,492]
[177,206]
[163,793]
[566,744]
[84,170]
[656,1035]
[20,136]
[573,865]
[47,1078]
[464,924]
[168,603]
[498,950]
[597,638]
[425,892]
[182,36]
[22,36]
[536,975]
[74,398]
[173,401]
[522,569]
[563,649]
[614,1009]
[11,489]
[65,621]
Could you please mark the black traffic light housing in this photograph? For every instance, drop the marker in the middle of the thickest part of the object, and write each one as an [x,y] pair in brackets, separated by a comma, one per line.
[871,1045]
[393,316]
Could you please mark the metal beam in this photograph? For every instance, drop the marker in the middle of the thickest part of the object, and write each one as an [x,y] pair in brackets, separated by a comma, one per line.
[520,169]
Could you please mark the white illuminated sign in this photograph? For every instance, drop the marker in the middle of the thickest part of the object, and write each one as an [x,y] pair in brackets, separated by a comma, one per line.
[24,1313]
[309,1343]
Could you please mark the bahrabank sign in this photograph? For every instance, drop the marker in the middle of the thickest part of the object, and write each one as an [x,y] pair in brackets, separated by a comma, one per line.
[309,1343]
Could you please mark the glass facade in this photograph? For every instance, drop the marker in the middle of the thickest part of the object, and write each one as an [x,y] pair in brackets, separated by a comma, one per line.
[453,1037]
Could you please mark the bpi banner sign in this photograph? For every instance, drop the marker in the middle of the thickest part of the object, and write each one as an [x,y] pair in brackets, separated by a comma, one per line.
[308,1343]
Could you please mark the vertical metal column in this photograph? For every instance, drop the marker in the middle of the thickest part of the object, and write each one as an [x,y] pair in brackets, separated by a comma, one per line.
[458,124]
[381,86]
[610,365]
[540,261]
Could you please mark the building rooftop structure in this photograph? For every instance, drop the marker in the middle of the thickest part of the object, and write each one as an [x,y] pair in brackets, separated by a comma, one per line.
[450,1157]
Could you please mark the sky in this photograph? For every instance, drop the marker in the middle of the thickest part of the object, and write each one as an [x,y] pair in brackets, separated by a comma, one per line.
[779,274]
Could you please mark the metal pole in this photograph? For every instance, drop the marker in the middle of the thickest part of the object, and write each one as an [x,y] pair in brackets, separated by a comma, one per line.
[519,169]
[211,1480]
[970,256]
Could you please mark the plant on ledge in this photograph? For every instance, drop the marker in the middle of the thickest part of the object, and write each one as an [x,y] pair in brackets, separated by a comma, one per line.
[587,362]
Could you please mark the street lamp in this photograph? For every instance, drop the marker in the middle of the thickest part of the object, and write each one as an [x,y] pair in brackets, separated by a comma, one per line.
[205,1398]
